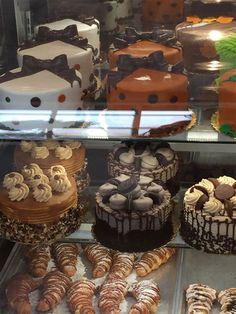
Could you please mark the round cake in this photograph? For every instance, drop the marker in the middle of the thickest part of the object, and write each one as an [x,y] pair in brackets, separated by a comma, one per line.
[37,208]
[69,154]
[155,160]
[133,216]
[209,216]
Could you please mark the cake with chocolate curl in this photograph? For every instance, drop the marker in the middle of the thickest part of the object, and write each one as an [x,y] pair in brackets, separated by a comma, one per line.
[133,216]
[209,217]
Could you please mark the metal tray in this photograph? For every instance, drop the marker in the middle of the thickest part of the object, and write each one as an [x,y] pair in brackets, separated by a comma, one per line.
[166,277]
[217,271]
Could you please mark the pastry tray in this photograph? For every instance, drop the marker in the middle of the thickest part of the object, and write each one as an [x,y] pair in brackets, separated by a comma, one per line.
[166,277]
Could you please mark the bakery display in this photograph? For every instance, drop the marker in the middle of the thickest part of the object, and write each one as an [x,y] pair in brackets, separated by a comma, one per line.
[124,10]
[208,220]
[17,292]
[163,11]
[37,258]
[133,216]
[65,256]
[227,300]
[38,208]
[200,298]
[142,44]
[55,286]
[79,296]
[147,294]
[122,265]
[152,260]
[100,257]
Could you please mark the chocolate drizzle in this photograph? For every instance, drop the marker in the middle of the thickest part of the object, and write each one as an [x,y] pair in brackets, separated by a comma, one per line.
[58,66]
[161,36]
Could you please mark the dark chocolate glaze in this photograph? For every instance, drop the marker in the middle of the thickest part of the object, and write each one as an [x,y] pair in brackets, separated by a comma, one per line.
[203,9]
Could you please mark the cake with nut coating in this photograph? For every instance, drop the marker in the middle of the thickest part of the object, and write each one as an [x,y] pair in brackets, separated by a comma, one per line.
[209,216]
[131,215]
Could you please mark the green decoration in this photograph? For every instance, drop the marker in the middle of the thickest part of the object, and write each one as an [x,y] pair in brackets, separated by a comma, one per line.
[226,49]
[227,130]
[231,79]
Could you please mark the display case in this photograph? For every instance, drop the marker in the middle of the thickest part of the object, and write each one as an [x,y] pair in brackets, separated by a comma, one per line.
[117,149]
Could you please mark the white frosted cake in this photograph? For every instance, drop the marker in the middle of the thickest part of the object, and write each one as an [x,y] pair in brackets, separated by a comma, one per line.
[39,86]
[124,9]
[88,29]
[107,15]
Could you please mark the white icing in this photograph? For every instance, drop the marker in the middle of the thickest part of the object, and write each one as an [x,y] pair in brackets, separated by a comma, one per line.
[106,13]
[103,189]
[18,192]
[60,183]
[143,203]
[11,179]
[42,193]
[50,144]
[63,153]
[58,169]
[149,162]
[126,158]
[73,144]
[124,9]
[226,180]
[167,152]
[31,170]
[144,181]
[39,152]
[26,146]
[36,180]
[117,201]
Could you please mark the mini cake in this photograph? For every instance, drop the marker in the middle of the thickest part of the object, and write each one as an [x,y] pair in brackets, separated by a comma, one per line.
[40,86]
[49,44]
[163,11]
[141,45]
[209,217]
[106,11]
[124,9]
[154,160]
[132,216]
[87,27]
[35,208]
[49,154]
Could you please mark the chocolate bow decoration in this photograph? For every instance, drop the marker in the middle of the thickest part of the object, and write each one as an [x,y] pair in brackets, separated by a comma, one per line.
[162,36]
[45,34]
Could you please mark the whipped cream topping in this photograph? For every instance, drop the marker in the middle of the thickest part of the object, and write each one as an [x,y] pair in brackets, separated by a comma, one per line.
[36,180]
[50,144]
[227,300]
[39,152]
[26,146]
[200,298]
[31,170]
[18,192]
[42,193]
[11,179]
[60,183]
[226,180]
[72,144]
[58,169]
[63,152]
[213,206]
[166,152]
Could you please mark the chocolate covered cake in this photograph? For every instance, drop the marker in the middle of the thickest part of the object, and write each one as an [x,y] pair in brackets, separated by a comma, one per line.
[131,215]
[209,217]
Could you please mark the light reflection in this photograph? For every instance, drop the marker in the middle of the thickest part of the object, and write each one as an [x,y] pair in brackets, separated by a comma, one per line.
[215,35]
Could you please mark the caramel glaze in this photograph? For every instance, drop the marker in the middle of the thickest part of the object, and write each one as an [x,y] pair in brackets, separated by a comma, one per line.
[144,48]
[170,91]
[72,165]
[30,211]
[227,97]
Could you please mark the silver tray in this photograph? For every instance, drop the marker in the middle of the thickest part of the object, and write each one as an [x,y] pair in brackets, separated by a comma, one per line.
[166,277]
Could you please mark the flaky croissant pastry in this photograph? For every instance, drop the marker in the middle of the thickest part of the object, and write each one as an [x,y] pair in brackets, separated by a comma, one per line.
[37,258]
[122,265]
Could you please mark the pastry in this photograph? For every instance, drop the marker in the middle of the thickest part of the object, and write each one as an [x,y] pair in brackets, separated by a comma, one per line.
[200,298]
[55,286]
[147,294]
[65,256]
[100,257]
[122,265]
[152,260]
[44,87]
[17,292]
[208,220]
[79,296]
[227,300]
[133,216]
[111,294]
[37,258]
[142,44]
[37,208]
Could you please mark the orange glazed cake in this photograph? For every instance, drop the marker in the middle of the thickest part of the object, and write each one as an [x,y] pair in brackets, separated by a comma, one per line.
[141,45]
[69,154]
[37,208]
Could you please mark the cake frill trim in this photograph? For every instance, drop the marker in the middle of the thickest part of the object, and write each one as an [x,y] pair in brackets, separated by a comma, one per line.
[131,36]
[127,64]
[58,66]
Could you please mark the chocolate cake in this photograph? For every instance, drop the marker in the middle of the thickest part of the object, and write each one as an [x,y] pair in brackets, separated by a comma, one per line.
[209,217]
[133,216]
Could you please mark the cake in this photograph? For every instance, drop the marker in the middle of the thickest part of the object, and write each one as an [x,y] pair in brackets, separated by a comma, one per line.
[42,87]
[209,216]
[199,37]
[142,44]
[132,216]
[88,27]
[49,154]
[35,208]
[52,43]
[163,11]
[124,9]
[106,11]
[156,161]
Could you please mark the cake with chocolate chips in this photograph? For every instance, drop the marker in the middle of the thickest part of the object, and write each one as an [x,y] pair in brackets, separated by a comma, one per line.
[37,208]
[209,217]
[133,215]
[155,160]
[50,153]
[142,44]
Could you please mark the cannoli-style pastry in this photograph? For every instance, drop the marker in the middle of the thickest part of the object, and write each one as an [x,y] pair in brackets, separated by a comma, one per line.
[122,265]
[227,300]
[37,258]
